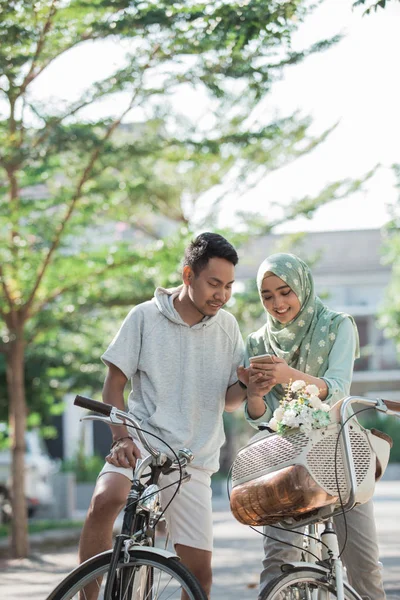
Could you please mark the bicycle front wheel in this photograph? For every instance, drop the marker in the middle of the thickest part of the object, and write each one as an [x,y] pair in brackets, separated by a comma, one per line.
[146,576]
[304,584]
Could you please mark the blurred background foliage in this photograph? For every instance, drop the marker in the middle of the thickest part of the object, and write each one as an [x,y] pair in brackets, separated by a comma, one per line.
[96,212]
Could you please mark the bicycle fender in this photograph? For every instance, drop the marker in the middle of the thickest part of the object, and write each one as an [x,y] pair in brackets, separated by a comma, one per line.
[152,550]
[287,567]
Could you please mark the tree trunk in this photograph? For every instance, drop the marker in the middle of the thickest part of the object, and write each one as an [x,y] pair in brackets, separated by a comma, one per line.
[17,412]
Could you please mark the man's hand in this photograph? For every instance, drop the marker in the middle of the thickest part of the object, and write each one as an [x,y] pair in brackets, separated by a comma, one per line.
[124,454]
[258,382]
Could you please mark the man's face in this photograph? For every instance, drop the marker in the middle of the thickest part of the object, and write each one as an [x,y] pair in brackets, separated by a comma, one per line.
[212,287]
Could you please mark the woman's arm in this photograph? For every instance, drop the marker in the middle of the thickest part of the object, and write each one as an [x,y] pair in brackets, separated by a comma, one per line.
[336,381]
[339,373]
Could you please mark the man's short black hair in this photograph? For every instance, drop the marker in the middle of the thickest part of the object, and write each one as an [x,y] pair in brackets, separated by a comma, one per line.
[208,245]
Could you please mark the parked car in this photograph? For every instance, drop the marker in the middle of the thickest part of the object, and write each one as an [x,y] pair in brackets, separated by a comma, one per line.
[39,468]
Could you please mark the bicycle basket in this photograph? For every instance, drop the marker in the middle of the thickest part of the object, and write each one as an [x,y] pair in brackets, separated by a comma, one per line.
[290,475]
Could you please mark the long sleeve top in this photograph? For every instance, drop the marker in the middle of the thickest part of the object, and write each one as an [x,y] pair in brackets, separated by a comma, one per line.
[338,375]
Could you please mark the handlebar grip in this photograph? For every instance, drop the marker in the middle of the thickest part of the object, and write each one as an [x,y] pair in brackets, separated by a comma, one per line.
[99,407]
[393,405]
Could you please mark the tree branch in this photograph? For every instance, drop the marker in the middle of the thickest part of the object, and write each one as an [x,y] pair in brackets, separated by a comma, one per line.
[69,288]
[78,193]
[30,76]
[5,289]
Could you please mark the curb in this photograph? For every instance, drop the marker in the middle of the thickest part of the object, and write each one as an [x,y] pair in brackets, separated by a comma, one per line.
[56,538]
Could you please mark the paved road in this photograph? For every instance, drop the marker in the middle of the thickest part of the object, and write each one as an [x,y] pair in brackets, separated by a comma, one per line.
[236,561]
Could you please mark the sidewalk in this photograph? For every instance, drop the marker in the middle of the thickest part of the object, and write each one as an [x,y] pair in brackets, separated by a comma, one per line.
[236,559]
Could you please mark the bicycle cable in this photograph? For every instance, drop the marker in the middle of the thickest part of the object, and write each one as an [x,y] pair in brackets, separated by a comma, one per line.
[309,536]
[355,413]
[178,481]
[303,534]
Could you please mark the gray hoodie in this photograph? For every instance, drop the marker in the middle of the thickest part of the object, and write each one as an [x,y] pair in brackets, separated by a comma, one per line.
[179,374]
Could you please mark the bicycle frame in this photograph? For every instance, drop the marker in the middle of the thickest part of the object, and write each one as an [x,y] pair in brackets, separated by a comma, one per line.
[142,510]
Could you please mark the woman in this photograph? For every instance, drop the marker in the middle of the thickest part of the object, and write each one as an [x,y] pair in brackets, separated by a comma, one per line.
[313,343]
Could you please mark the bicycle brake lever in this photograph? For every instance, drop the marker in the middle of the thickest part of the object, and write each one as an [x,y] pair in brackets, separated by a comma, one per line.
[95,418]
[114,421]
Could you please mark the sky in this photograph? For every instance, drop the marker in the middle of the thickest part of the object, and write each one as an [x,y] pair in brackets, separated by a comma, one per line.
[353,84]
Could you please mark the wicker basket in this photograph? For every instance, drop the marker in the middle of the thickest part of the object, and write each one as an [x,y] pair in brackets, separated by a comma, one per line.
[289,476]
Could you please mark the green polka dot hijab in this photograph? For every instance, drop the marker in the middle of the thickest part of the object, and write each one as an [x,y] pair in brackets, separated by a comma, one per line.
[306,341]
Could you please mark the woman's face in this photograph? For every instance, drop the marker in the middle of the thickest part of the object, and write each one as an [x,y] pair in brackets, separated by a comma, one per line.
[279,299]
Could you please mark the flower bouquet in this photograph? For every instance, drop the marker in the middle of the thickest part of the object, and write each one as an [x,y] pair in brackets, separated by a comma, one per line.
[300,408]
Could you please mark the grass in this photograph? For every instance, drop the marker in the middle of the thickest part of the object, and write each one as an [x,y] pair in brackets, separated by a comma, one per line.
[42,525]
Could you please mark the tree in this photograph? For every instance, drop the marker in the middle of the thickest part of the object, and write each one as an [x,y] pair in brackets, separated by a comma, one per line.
[389,313]
[372,5]
[69,179]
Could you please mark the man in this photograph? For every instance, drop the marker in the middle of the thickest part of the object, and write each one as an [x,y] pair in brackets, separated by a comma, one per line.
[180,350]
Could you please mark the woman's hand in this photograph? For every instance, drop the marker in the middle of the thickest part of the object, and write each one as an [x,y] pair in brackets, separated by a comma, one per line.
[278,371]
[124,454]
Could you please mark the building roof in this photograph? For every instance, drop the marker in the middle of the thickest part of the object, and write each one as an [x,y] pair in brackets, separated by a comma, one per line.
[330,252]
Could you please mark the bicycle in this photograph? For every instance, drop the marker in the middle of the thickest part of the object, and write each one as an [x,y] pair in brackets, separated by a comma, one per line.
[320,575]
[134,569]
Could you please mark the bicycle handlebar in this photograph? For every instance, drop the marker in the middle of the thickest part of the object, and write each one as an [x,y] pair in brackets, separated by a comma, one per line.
[386,406]
[99,407]
[185,455]
[392,405]
[120,415]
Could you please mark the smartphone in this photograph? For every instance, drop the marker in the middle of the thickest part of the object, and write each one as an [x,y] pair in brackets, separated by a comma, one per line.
[267,358]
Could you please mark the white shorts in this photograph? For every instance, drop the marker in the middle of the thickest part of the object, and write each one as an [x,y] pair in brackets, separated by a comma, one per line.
[189,516]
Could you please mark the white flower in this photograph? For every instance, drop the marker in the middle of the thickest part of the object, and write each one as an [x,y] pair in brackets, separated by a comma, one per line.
[320,360]
[307,346]
[301,323]
[296,281]
[310,309]
[323,328]
[273,424]
[315,402]
[278,413]
[297,385]
[291,418]
[283,277]
[307,368]
[321,343]
[291,335]
[332,336]
[301,360]
[312,390]
[306,427]
[289,265]
[301,409]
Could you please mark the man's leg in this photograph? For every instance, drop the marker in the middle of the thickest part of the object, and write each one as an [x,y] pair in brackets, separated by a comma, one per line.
[280,546]
[199,563]
[189,520]
[108,499]
[361,554]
